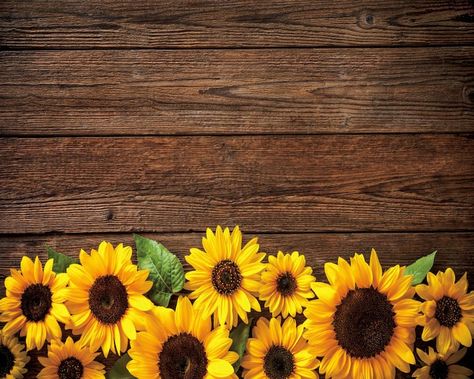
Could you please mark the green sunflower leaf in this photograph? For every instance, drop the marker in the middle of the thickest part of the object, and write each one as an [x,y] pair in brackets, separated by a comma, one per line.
[420,268]
[119,369]
[61,262]
[166,271]
[240,335]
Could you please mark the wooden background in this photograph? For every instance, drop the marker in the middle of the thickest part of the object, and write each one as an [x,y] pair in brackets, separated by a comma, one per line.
[322,126]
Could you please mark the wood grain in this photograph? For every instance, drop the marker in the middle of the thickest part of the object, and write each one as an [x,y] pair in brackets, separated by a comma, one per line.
[234,23]
[266,183]
[300,91]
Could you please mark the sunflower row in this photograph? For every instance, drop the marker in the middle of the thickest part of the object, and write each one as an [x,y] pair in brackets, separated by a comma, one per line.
[361,323]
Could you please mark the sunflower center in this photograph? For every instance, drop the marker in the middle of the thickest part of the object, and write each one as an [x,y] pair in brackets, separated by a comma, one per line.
[7,360]
[439,369]
[183,357]
[108,299]
[278,363]
[286,284]
[364,322]
[448,312]
[36,302]
[226,277]
[70,368]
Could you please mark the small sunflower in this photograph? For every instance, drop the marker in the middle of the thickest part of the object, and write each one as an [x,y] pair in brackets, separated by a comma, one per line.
[439,366]
[448,311]
[286,284]
[180,344]
[363,323]
[227,276]
[13,357]
[278,352]
[34,302]
[106,298]
[70,361]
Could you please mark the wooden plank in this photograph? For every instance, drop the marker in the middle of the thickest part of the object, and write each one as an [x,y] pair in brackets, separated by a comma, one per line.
[237,91]
[235,23]
[267,183]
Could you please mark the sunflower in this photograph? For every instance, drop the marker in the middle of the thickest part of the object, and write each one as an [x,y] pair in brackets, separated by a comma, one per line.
[180,344]
[363,323]
[227,276]
[13,358]
[34,302]
[278,352]
[448,312]
[70,361]
[106,298]
[439,366]
[286,284]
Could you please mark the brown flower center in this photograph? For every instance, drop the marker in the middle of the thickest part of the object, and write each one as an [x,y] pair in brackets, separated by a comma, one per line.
[286,284]
[439,369]
[182,357]
[70,368]
[448,312]
[278,363]
[7,361]
[36,302]
[108,299]
[364,322]
[226,277]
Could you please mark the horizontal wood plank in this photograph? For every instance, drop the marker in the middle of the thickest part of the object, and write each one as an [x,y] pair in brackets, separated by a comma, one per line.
[267,183]
[233,23]
[303,91]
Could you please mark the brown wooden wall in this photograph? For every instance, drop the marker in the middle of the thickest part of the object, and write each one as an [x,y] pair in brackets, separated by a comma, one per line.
[321,126]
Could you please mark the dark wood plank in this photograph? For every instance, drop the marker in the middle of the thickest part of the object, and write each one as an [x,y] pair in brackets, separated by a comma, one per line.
[267,183]
[237,91]
[234,23]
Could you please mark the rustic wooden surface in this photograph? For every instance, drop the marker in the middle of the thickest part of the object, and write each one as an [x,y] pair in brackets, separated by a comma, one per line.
[320,126]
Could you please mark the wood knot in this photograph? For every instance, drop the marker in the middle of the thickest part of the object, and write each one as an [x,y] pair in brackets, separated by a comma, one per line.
[468,94]
[110,215]
[366,19]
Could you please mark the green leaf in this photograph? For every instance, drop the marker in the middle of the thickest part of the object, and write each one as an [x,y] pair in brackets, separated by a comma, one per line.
[420,268]
[239,336]
[119,369]
[61,261]
[166,271]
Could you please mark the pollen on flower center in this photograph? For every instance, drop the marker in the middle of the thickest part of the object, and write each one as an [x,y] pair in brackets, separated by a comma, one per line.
[108,299]
[7,361]
[70,368]
[36,302]
[182,357]
[439,369]
[278,363]
[364,322]
[286,284]
[226,277]
[448,312]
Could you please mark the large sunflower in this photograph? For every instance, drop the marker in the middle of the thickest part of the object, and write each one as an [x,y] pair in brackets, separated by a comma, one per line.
[70,361]
[227,276]
[363,322]
[106,298]
[448,312]
[180,344]
[286,284]
[439,366]
[34,302]
[13,358]
[278,352]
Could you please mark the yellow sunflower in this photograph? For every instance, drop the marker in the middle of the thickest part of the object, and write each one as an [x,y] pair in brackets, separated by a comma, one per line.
[286,284]
[363,323]
[227,276]
[448,312]
[180,344]
[278,352]
[70,361]
[106,298]
[34,302]
[439,366]
[13,357]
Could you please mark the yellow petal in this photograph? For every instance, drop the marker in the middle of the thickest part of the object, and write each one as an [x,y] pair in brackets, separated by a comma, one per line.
[462,334]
